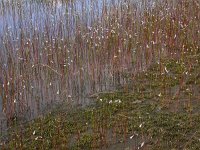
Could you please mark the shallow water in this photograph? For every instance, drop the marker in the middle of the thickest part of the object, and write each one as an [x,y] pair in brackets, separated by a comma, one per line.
[28,14]
[23,19]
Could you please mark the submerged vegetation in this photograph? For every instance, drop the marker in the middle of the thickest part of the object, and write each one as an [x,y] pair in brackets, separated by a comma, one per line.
[138,64]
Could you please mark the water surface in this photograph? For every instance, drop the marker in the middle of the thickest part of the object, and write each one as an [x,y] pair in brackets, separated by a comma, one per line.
[26,26]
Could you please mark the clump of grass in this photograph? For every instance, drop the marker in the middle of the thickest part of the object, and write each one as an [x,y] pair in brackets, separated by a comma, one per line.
[117,117]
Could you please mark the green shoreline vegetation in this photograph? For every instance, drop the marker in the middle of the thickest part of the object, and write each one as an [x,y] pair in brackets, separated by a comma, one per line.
[145,112]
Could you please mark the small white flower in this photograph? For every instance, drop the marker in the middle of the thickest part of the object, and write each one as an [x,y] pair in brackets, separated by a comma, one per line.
[175,36]
[142,144]
[160,95]
[118,101]
[131,136]
[101,100]
[58,92]
[34,132]
[112,31]
[110,101]
[166,70]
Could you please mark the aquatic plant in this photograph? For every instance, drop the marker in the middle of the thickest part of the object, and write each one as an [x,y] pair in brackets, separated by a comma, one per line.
[77,49]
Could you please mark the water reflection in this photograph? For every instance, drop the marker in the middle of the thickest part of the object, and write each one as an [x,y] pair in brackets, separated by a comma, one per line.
[42,58]
[15,15]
